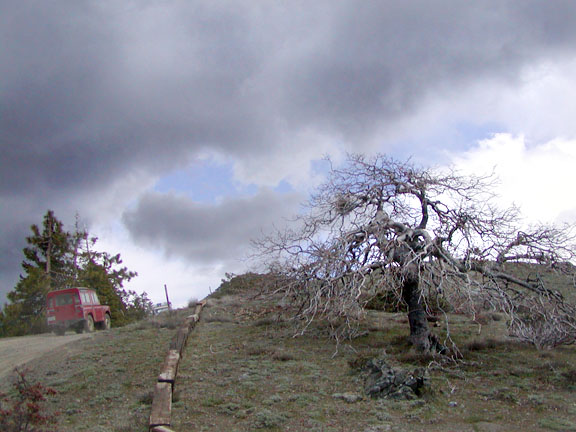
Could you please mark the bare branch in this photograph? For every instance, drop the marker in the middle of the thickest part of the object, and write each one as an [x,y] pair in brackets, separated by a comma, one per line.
[381,225]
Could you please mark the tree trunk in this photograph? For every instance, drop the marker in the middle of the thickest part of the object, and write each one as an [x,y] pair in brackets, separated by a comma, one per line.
[420,335]
[49,249]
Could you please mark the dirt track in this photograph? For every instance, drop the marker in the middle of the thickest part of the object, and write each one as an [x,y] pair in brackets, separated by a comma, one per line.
[20,350]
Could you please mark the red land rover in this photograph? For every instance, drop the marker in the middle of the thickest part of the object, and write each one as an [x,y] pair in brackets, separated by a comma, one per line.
[76,308]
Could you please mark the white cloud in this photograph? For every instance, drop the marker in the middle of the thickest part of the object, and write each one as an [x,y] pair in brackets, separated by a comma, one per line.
[184,280]
[537,177]
[539,104]
[290,160]
[543,106]
[101,100]
[171,239]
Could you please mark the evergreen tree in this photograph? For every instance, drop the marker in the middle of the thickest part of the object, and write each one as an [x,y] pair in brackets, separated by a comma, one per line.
[102,272]
[46,267]
[138,306]
[28,302]
[56,259]
[49,250]
[10,322]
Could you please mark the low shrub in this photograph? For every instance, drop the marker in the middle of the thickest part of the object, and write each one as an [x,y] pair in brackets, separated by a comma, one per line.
[258,351]
[569,378]
[24,411]
[219,319]
[234,284]
[146,398]
[192,302]
[387,301]
[480,344]
[283,356]
[266,419]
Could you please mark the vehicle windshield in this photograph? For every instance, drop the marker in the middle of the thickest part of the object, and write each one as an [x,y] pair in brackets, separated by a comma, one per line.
[64,299]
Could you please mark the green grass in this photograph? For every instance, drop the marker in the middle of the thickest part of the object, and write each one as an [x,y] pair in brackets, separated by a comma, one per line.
[243,354]
[105,383]
[244,370]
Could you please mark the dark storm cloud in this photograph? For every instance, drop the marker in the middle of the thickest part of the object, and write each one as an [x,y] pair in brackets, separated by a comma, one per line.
[80,105]
[93,91]
[383,59]
[207,233]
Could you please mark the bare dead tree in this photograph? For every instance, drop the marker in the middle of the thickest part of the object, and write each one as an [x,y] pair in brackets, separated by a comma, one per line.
[378,225]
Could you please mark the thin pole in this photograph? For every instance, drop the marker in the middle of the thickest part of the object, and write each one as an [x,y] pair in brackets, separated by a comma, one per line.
[167,300]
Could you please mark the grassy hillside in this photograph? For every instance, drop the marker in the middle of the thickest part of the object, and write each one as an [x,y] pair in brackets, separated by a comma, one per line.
[244,371]
[553,279]
[105,383]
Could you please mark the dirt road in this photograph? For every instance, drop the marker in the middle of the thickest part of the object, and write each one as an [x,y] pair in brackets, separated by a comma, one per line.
[20,350]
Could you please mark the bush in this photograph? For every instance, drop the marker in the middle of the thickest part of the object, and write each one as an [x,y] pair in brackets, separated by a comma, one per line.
[387,301]
[543,326]
[390,301]
[481,344]
[266,419]
[236,284]
[24,411]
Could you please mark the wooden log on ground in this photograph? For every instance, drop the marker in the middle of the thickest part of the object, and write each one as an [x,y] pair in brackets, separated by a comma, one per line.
[179,341]
[170,367]
[191,320]
[161,405]
[199,307]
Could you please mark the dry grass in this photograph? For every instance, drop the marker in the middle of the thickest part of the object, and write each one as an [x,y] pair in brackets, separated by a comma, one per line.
[105,383]
[244,371]
[250,373]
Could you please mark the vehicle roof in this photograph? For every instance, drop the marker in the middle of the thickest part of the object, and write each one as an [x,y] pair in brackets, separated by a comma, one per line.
[68,290]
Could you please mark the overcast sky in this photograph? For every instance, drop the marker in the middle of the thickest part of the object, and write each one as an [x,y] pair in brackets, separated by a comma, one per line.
[179,130]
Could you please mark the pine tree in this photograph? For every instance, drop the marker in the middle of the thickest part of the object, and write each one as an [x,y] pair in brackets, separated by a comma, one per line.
[98,273]
[26,311]
[49,250]
[103,272]
[46,267]
[56,259]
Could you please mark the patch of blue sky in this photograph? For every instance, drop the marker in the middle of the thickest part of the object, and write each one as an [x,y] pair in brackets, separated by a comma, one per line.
[470,133]
[435,147]
[283,187]
[205,181]
[320,167]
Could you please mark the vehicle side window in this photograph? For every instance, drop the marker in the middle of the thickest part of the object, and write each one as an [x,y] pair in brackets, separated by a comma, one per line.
[94,299]
[86,298]
[51,303]
[64,299]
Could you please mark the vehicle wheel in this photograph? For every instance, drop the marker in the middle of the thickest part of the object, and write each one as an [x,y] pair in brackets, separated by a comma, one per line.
[60,331]
[107,323]
[79,329]
[89,324]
